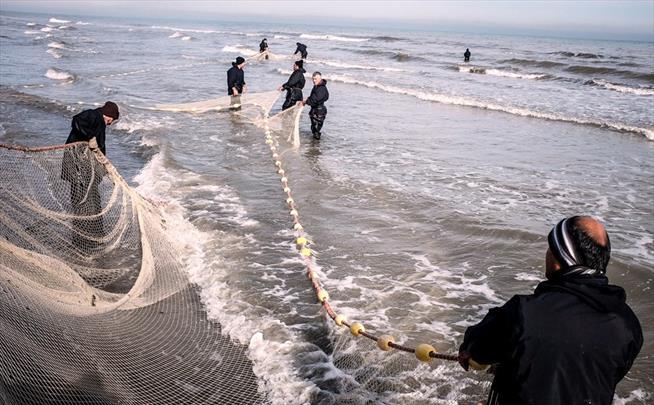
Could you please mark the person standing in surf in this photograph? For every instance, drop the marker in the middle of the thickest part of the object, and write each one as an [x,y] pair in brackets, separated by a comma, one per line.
[236,82]
[294,85]
[466,55]
[301,49]
[572,340]
[263,47]
[319,94]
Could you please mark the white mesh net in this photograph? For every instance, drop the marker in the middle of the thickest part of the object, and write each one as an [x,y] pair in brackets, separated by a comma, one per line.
[95,305]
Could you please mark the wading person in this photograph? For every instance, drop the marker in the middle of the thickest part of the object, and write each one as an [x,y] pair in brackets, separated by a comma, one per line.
[316,100]
[572,340]
[236,82]
[301,49]
[294,85]
[263,47]
[83,173]
[466,55]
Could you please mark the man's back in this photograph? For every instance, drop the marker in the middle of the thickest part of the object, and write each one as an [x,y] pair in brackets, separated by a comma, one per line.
[86,125]
[570,342]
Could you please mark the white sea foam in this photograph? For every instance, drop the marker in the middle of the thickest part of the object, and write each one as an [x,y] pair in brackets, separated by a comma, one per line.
[82,23]
[353,66]
[240,49]
[187,30]
[622,88]
[56,74]
[47,29]
[334,38]
[281,37]
[57,45]
[639,395]
[176,34]
[272,358]
[31,32]
[57,21]
[31,24]
[500,73]
[469,102]
[55,54]
[187,38]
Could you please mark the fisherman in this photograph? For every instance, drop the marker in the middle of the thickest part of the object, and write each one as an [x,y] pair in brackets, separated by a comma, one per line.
[85,175]
[236,82]
[466,55]
[572,340]
[263,48]
[92,124]
[302,49]
[316,100]
[294,85]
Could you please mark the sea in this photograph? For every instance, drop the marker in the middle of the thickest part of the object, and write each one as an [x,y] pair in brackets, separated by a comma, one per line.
[428,198]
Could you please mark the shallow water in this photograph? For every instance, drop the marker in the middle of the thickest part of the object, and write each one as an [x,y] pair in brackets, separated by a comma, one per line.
[428,198]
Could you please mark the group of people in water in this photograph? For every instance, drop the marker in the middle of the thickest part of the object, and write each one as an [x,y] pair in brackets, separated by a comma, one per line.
[236,87]
[570,342]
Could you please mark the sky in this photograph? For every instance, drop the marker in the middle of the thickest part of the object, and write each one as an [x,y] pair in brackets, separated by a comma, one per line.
[594,19]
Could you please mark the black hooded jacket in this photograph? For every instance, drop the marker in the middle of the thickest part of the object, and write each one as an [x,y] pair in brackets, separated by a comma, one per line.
[296,81]
[301,48]
[86,125]
[235,78]
[263,46]
[319,95]
[569,343]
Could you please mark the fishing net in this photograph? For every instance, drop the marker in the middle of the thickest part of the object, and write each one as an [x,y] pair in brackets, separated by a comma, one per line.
[95,305]
[267,55]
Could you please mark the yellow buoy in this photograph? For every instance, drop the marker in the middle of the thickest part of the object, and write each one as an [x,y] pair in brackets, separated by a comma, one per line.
[383,342]
[476,366]
[423,350]
[339,320]
[269,141]
[306,252]
[323,295]
[301,241]
[356,328]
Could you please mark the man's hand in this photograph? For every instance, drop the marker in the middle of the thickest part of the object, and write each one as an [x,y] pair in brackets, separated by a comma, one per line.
[464,358]
[280,88]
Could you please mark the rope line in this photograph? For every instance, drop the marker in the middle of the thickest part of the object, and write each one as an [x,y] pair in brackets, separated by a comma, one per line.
[423,352]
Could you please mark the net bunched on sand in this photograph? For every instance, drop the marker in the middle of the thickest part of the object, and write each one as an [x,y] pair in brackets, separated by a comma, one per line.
[95,305]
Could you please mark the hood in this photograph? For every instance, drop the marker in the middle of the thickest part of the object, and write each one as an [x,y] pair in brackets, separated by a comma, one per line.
[594,290]
[322,82]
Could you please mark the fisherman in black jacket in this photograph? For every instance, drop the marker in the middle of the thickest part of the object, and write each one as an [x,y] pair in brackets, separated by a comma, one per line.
[302,49]
[263,45]
[466,55]
[316,100]
[294,85]
[571,341]
[236,82]
[84,173]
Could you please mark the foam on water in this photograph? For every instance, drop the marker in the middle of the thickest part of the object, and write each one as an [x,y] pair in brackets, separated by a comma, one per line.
[176,34]
[622,88]
[500,73]
[333,38]
[240,49]
[58,21]
[55,54]
[56,74]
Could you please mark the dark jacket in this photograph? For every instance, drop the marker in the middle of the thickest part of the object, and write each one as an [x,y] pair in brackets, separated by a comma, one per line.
[86,125]
[569,343]
[319,95]
[301,48]
[235,78]
[263,46]
[296,81]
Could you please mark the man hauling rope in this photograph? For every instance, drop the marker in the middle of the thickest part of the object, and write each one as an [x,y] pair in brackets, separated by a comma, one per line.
[319,94]
[301,49]
[572,340]
[263,48]
[236,82]
[294,85]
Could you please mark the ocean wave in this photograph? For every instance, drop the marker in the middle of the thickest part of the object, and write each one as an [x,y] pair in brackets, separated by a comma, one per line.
[597,70]
[82,23]
[386,38]
[333,38]
[31,32]
[56,74]
[352,66]
[57,45]
[398,56]
[163,27]
[532,62]
[55,54]
[281,37]
[57,21]
[31,24]
[501,73]
[621,88]
[469,102]
[176,34]
[578,54]
[187,38]
[47,29]
[240,49]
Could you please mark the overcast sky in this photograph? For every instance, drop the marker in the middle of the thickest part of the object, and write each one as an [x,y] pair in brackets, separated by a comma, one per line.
[590,19]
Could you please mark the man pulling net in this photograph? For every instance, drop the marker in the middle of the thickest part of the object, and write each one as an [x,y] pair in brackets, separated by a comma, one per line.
[294,85]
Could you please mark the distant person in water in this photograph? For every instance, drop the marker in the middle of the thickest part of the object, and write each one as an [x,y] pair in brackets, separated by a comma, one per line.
[572,340]
[466,55]
[84,174]
[263,48]
[316,100]
[301,49]
[236,82]
[294,85]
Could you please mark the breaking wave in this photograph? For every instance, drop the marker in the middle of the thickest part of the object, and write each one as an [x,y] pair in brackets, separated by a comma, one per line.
[593,70]
[398,56]
[57,21]
[240,49]
[176,34]
[500,73]
[578,55]
[61,75]
[641,91]
[334,38]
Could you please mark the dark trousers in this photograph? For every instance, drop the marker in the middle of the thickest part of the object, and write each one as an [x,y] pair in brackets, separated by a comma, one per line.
[317,115]
[292,97]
